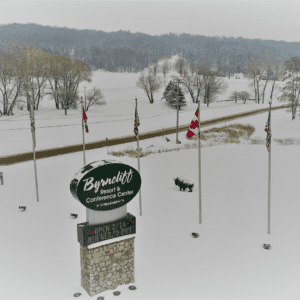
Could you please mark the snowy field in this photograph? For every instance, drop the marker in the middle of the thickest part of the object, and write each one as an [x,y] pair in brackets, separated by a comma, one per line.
[115,119]
[40,253]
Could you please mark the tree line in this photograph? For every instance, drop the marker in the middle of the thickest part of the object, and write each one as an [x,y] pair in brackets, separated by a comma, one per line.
[202,81]
[123,51]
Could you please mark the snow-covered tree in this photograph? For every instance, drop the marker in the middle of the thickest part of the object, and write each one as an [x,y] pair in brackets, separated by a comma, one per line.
[169,87]
[176,97]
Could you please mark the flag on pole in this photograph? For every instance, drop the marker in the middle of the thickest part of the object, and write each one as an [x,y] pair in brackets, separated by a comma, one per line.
[194,125]
[136,123]
[32,125]
[85,118]
[33,146]
[268,131]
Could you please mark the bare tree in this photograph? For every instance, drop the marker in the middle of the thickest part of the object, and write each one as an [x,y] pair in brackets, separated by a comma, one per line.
[188,85]
[150,84]
[94,97]
[266,66]
[291,89]
[6,76]
[194,83]
[12,74]
[214,86]
[55,67]
[202,72]
[199,85]
[277,73]
[192,68]
[72,73]
[154,68]
[165,67]
[252,70]
[36,61]
[244,96]
[207,82]
[180,65]
[235,96]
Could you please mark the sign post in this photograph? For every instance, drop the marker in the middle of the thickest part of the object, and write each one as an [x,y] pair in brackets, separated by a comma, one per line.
[107,237]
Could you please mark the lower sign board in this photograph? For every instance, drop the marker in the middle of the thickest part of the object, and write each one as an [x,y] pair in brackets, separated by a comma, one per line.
[90,234]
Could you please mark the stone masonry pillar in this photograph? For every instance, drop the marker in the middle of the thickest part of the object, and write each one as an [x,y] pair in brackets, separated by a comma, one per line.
[107,266]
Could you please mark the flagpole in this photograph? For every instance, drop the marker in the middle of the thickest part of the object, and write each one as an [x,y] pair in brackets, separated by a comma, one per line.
[199,164]
[33,146]
[269,187]
[84,163]
[138,150]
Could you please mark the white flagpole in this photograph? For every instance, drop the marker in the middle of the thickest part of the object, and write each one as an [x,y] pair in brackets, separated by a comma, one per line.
[84,163]
[33,146]
[269,187]
[199,163]
[138,150]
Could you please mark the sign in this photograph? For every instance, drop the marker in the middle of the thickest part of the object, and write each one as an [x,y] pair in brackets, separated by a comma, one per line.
[105,185]
[90,234]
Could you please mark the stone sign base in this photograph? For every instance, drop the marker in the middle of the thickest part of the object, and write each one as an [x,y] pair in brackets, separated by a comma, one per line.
[107,266]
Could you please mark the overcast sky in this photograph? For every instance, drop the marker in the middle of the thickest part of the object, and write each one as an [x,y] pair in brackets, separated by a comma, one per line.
[277,20]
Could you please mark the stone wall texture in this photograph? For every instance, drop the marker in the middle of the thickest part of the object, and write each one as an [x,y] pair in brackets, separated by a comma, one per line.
[108,266]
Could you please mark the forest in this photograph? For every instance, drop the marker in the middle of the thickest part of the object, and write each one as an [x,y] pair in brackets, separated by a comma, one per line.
[123,51]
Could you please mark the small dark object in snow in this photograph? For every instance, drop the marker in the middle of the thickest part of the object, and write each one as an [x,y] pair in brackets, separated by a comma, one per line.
[116,293]
[77,295]
[22,207]
[184,183]
[267,246]
[178,142]
[195,235]
[132,287]
[74,215]
[100,298]
[167,140]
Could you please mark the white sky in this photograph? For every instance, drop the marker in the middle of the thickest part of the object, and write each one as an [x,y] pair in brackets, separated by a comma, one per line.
[277,20]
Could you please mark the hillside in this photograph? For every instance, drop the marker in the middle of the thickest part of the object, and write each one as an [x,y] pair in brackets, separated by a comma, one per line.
[123,50]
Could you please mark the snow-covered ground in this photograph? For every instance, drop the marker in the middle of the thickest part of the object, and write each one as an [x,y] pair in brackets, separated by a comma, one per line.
[40,255]
[115,119]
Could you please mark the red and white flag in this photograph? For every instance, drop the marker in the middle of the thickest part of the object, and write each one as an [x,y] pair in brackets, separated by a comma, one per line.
[85,118]
[193,127]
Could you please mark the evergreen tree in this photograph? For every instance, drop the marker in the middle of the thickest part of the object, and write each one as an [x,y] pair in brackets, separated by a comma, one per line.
[175,95]
[169,87]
